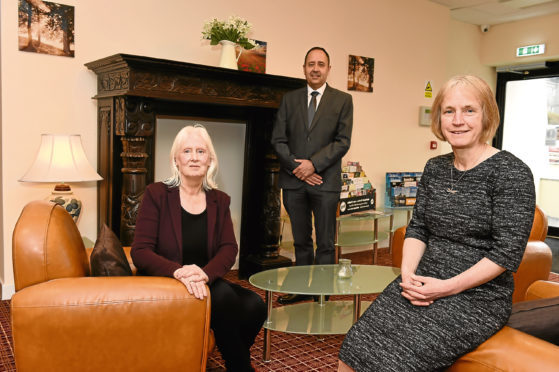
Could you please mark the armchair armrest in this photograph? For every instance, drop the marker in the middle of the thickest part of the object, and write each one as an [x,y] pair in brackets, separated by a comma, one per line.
[510,350]
[542,289]
[127,323]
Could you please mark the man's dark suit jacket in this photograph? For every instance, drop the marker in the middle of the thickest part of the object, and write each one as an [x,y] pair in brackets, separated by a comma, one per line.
[324,143]
[157,246]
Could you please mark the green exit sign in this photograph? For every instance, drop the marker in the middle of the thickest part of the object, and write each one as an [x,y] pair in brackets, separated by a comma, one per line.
[530,50]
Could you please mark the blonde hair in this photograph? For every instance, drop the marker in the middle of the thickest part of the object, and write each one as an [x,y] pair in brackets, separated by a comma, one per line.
[209,180]
[490,110]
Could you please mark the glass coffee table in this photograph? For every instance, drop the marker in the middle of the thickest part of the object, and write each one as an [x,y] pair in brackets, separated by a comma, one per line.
[322,317]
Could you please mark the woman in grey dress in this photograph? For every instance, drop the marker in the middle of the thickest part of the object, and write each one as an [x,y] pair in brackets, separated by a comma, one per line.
[468,233]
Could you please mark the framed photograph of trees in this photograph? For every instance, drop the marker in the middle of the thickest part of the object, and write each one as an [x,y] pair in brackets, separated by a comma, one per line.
[360,73]
[46,27]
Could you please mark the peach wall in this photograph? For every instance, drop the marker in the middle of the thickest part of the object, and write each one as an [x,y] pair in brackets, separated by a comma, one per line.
[463,57]
[42,94]
[463,52]
[498,46]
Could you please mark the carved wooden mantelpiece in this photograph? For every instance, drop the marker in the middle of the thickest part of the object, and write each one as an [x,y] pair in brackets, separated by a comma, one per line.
[124,74]
[132,91]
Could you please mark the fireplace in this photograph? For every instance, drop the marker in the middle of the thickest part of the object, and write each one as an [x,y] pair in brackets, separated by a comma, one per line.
[134,91]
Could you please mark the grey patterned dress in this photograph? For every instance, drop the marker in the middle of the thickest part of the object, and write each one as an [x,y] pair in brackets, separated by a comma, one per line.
[490,216]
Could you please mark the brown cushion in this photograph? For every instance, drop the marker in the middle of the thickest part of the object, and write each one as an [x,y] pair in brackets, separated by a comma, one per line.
[107,257]
[539,318]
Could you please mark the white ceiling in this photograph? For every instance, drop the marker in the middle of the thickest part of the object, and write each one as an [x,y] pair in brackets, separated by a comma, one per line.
[492,12]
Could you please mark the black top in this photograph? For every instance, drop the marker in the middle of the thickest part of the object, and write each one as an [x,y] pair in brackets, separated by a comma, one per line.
[194,238]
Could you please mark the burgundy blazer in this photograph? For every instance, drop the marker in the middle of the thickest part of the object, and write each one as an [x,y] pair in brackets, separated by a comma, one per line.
[157,246]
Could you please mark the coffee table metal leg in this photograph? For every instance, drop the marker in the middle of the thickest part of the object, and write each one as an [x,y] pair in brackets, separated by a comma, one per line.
[375,244]
[391,238]
[267,335]
[356,307]
[337,248]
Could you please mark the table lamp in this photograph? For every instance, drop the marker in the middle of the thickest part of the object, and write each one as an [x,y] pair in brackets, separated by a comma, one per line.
[61,159]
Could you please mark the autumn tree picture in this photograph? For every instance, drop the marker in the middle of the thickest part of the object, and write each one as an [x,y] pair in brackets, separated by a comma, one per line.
[360,75]
[46,27]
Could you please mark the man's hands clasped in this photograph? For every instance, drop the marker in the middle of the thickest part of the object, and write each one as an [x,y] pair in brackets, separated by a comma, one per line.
[194,279]
[306,172]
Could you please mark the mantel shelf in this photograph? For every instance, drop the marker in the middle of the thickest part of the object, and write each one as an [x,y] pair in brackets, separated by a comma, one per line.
[125,74]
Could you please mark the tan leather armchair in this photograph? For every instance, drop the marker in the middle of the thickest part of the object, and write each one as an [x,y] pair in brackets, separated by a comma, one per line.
[64,320]
[539,226]
[513,350]
[510,349]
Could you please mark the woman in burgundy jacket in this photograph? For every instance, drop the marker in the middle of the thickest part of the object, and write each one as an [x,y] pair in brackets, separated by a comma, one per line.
[184,230]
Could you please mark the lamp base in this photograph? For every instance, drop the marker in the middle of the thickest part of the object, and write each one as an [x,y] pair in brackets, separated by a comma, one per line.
[63,196]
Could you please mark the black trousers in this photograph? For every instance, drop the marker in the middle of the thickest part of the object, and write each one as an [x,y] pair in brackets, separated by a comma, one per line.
[301,204]
[237,316]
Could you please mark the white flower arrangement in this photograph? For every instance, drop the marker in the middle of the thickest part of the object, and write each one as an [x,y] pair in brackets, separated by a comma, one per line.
[235,29]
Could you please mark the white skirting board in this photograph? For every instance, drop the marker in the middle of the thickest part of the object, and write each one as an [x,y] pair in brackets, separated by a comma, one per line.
[8,291]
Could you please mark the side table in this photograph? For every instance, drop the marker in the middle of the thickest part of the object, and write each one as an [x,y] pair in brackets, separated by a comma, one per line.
[353,238]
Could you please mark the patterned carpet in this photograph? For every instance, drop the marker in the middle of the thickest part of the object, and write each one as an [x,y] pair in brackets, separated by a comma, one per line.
[7,362]
[289,352]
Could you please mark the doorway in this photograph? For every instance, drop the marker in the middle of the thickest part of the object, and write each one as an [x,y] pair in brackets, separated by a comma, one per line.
[529,107]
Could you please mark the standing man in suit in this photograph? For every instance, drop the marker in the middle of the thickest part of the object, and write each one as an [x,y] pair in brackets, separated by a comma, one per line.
[311,134]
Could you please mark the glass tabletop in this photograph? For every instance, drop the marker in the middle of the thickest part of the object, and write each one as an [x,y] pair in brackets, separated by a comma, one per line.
[323,279]
[358,238]
[367,215]
[388,209]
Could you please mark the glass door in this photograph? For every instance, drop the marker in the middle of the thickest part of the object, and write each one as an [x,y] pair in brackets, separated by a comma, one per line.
[529,104]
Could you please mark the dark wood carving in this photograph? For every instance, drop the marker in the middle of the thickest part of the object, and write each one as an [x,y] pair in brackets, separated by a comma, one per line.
[132,91]
[271,221]
[113,81]
[120,114]
[134,171]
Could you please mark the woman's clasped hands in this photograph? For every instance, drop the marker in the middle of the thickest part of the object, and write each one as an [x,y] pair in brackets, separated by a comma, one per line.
[194,279]
[424,290]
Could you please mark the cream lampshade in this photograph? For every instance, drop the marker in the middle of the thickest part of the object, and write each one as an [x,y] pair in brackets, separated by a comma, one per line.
[61,159]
